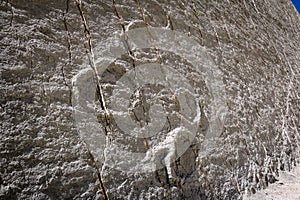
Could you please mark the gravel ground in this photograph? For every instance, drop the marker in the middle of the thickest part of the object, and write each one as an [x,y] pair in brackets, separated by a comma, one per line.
[286,188]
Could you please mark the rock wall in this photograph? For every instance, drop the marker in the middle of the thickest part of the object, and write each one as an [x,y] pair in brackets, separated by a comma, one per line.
[252,45]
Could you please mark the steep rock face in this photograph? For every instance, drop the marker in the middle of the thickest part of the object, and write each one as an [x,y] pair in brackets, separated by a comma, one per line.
[253,46]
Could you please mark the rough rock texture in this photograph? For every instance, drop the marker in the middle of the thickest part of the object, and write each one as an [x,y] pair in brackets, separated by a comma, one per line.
[44,44]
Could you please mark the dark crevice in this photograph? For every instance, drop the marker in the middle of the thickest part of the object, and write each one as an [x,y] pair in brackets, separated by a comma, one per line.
[167,176]
[90,54]
[170,22]
[68,32]
[101,182]
[69,51]
[89,51]
[141,12]
[130,52]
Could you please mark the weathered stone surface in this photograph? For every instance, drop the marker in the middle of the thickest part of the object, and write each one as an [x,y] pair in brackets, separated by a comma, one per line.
[255,45]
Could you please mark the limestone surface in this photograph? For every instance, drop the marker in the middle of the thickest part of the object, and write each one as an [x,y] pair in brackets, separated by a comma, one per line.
[147,99]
